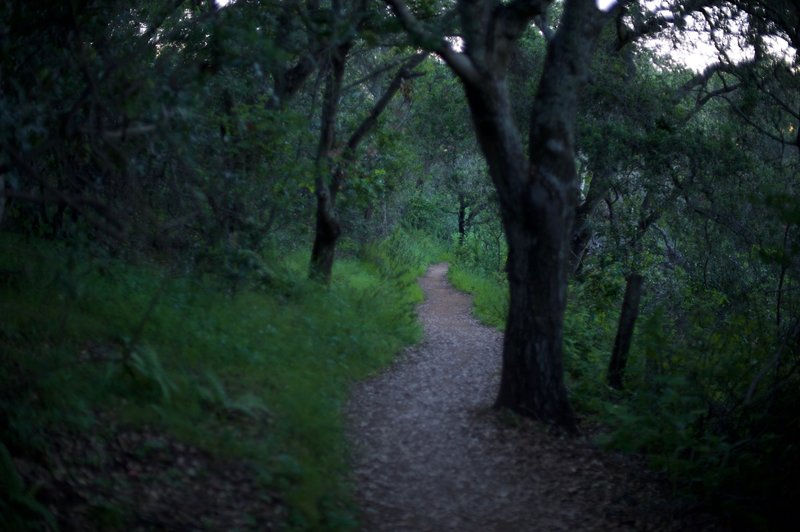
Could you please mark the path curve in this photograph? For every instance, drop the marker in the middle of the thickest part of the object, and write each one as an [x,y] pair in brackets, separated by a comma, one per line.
[430,454]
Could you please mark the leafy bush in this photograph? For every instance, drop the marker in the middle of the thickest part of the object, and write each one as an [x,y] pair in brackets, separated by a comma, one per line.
[683,405]
[19,509]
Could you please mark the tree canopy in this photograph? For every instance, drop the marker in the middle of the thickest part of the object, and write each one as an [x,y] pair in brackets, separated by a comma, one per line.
[630,219]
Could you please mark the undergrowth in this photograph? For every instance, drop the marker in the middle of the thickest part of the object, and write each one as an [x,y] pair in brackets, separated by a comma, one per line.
[689,406]
[258,372]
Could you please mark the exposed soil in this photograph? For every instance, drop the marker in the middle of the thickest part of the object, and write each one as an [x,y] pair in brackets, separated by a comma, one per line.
[432,455]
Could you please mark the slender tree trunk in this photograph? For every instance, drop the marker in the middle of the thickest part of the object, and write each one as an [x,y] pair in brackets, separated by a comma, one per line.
[582,232]
[329,180]
[327,229]
[579,247]
[462,219]
[781,278]
[326,236]
[627,322]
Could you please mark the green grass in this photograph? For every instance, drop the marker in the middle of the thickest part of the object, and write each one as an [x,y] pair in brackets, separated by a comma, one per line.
[259,375]
[489,294]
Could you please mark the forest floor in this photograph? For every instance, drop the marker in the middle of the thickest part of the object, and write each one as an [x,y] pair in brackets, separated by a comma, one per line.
[430,453]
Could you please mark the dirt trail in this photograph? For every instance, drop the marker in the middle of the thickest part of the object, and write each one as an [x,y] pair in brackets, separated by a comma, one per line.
[431,454]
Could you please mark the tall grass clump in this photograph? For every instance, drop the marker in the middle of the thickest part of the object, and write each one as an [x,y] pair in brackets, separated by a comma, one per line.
[477,267]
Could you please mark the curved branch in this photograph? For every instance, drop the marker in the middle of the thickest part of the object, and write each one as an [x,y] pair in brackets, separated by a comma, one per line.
[423,37]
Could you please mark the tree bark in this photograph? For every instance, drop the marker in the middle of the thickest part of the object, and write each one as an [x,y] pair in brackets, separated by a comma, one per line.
[326,235]
[462,219]
[532,378]
[2,196]
[327,229]
[537,193]
[627,322]
[538,223]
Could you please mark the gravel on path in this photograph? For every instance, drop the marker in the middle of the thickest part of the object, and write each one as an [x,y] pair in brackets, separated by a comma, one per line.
[430,453]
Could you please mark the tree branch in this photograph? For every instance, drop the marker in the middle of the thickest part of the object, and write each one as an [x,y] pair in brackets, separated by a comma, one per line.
[656,22]
[405,72]
[458,62]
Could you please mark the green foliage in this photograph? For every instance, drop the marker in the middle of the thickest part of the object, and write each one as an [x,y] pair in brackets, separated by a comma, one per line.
[259,375]
[490,294]
[685,407]
[161,176]
[478,268]
[405,254]
[682,406]
[482,250]
[19,509]
[663,422]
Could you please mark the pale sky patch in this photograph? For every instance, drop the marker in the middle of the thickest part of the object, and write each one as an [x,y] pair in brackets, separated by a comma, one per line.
[697,47]
[605,5]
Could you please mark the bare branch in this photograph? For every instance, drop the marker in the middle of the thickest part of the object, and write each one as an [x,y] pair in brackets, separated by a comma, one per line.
[460,63]
[124,132]
[656,22]
[405,72]
[375,73]
[705,76]
[751,123]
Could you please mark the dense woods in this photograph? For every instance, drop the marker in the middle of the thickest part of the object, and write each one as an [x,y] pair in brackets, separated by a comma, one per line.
[212,216]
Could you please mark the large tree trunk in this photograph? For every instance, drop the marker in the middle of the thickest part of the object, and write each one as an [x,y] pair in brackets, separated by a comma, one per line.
[627,322]
[532,379]
[537,205]
[537,193]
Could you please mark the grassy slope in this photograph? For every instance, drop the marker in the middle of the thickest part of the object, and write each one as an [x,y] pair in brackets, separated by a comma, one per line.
[260,375]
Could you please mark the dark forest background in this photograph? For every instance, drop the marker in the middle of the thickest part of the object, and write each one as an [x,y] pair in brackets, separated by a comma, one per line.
[212,219]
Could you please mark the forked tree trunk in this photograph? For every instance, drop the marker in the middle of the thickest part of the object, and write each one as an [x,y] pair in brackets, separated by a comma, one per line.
[327,228]
[537,194]
[627,322]
[330,180]
[537,205]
